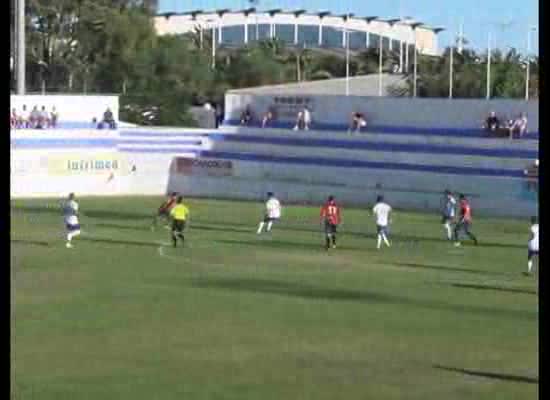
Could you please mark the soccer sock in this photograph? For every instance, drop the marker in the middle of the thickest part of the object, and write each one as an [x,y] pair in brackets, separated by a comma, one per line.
[260,227]
[385,240]
[269,224]
[471,235]
[449,231]
[379,241]
[529,265]
[328,241]
[334,240]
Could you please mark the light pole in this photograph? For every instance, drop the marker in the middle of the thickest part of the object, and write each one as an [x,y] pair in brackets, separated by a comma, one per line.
[415,62]
[345,34]
[20,47]
[488,66]
[380,51]
[528,66]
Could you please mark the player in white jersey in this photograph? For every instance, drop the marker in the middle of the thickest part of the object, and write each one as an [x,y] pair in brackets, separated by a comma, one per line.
[448,212]
[272,213]
[382,212]
[70,216]
[533,244]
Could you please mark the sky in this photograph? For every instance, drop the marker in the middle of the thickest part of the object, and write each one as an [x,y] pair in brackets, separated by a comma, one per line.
[507,20]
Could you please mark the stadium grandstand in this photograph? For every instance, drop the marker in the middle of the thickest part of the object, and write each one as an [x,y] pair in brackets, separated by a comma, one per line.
[301,28]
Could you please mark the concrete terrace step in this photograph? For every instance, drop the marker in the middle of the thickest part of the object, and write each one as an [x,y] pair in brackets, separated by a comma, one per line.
[403,130]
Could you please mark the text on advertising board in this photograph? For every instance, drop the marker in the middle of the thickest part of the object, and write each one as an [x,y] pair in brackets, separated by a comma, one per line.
[202,166]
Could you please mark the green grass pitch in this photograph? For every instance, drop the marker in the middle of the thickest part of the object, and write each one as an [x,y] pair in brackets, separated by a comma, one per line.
[236,316]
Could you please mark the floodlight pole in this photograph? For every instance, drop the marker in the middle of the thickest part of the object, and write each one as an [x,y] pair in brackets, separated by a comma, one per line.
[415,66]
[528,66]
[347,60]
[451,61]
[380,50]
[489,66]
[21,65]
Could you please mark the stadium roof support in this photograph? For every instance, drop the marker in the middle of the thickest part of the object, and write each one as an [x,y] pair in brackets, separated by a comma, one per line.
[296,13]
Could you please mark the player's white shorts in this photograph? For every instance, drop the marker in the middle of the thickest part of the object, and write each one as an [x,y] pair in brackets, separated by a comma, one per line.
[72,224]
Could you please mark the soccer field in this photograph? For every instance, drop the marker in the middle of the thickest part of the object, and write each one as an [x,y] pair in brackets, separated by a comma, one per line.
[232,315]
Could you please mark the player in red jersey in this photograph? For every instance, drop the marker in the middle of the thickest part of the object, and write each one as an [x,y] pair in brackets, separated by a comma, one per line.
[465,221]
[330,217]
[164,209]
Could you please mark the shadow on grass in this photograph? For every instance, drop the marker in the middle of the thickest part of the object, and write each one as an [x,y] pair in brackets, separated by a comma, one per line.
[118,242]
[127,227]
[30,242]
[497,288]
[221,228]
[267,241]
[444,268]
[107,214]
[300,290]
[490,375]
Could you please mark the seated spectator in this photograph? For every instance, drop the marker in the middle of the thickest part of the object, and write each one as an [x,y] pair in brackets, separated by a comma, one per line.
[34,116]
[268,117]
[43,119]
[13,119]
[219,115]
[109,119]
[518,126]
[53,118]
[23,118]
[532,175]
[307,118]
[358,121]
[246,116]
[492,123]
[300,121]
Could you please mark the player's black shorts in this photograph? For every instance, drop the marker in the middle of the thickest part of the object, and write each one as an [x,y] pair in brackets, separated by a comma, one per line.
[330,228]
[463,226]
[446,219]
[382,229]
[163,212]
[267,218]
[178,226]
[531,254]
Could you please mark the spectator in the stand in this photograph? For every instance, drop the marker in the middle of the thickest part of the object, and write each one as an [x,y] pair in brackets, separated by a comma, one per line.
[303,120]
[33,119]
[43,119]
[492,123]
[246,116]
[23,119]
[307,118]
[219,115]
[109,119]
[358,121]
[53,118]
[13,118]
[300,122]
[268,117]
[518,126]
[532,175]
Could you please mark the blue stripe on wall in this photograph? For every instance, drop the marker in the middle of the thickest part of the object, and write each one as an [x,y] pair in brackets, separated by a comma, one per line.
[63,143]
[386,129]
[386,147]
[123,142]
[160,134]
[332,162]
[174,150]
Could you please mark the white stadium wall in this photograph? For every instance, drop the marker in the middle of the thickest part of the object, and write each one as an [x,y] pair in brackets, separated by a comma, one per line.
[71,108]
[301,167]
[383,111]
